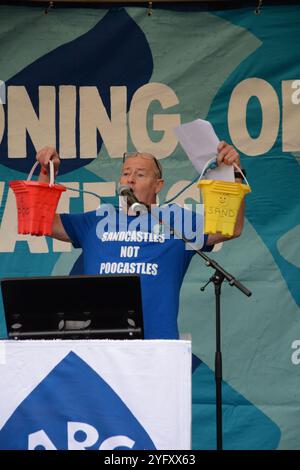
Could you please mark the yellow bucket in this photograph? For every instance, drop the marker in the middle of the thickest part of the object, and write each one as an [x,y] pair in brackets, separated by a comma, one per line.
[222,200]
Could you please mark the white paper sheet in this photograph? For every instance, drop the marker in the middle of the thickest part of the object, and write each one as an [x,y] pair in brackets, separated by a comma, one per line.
[200,142]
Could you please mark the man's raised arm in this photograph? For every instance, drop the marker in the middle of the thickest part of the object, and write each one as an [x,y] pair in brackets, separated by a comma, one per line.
[43,157]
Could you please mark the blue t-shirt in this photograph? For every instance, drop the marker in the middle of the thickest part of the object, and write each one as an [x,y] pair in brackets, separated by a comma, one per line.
[115,243]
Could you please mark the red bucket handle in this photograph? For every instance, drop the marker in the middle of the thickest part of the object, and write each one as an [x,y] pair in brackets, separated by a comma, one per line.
[51,182]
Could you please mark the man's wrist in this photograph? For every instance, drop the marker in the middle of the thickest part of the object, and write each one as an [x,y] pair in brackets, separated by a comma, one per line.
[44,176]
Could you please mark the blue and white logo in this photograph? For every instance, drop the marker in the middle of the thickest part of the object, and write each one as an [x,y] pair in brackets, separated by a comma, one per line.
[73,408]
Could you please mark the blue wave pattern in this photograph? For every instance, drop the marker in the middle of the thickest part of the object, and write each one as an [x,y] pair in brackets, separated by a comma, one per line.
[113,53]
[245,427]
[72,392]
[273,207]
[106,59]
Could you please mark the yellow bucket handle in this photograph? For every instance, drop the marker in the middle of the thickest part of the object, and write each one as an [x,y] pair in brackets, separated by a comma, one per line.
[206,165]
[234,164]
[240,170]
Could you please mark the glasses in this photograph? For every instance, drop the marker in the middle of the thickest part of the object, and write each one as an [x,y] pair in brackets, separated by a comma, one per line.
[148,156]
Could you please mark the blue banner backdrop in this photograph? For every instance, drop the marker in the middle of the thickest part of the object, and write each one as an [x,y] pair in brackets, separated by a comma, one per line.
[97,83]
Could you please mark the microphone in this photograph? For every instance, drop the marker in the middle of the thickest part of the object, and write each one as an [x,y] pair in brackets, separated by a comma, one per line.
[132,201]
[125,191]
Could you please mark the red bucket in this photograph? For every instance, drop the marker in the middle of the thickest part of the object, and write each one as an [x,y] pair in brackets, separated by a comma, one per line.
[36,203]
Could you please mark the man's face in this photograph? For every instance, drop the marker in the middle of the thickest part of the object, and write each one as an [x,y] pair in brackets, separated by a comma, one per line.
[140,174]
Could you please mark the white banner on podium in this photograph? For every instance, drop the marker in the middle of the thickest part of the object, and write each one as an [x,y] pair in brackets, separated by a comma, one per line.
[95,394]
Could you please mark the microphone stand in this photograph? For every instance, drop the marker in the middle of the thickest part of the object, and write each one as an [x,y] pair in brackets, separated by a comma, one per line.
[217,279]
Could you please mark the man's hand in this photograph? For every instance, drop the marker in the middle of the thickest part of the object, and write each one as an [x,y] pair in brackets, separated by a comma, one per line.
[45,155]
[227,154]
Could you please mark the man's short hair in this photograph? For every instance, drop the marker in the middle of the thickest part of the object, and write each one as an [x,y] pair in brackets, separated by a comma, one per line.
[149,156]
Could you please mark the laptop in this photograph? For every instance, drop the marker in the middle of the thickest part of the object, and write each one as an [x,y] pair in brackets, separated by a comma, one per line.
[73,307]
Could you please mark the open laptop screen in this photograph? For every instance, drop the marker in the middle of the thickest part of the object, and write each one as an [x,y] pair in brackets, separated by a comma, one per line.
[73,307]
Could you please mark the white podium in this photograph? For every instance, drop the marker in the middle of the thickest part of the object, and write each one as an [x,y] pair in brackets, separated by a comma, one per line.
[95,394]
